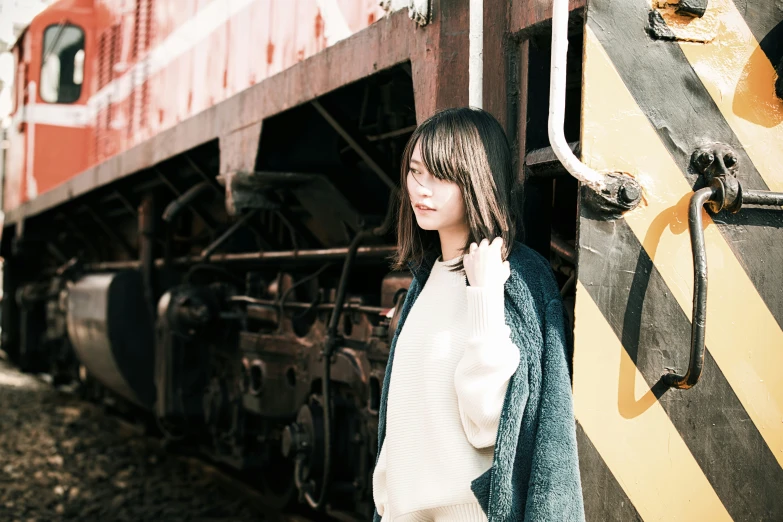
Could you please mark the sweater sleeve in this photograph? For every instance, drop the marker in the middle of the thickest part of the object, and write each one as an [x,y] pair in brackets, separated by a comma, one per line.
[489,361]
[555,490]
[379,492]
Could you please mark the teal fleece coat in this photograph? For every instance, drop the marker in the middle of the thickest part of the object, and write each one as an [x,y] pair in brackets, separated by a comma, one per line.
[535,470]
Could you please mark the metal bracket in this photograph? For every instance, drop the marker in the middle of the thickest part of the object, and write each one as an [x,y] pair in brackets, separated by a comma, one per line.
[620,193]
[718,161]
[251,190]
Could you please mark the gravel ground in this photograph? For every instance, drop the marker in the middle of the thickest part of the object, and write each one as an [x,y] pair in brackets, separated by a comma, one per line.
[62,459]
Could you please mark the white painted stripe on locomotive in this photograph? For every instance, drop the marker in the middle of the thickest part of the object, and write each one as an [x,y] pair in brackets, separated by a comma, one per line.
[181,40]
[74,116]
[32,185]
[335,26]
[190,34]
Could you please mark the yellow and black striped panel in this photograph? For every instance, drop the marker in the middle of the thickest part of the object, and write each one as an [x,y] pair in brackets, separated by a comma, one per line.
[715,451]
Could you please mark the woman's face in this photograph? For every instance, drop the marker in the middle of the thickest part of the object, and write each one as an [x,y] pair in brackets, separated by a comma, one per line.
[437,204]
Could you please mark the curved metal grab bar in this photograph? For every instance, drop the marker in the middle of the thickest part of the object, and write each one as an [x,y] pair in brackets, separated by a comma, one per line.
[715,193]
[699,319]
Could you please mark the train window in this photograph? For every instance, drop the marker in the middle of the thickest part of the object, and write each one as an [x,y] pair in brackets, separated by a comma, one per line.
[62,69]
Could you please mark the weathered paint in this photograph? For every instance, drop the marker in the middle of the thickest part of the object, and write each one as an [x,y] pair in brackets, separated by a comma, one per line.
[686,28]
[741,79]
[171,60]
[602,493]
[684,119]
[649,102]
[47,141]
[737,316]
[439,77]
[662,479]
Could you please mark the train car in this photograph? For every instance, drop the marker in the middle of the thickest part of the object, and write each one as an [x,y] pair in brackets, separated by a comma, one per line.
[198,199]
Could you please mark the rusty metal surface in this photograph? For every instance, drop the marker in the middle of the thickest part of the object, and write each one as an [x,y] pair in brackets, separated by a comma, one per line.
[287,256]
[152,65]
[380,46]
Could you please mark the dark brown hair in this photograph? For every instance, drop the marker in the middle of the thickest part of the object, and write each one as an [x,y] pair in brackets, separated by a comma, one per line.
[466,146]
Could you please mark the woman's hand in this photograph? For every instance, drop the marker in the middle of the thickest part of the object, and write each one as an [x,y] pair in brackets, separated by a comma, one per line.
[484,264]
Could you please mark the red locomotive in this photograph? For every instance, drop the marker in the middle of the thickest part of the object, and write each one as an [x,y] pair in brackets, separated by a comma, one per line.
[96,78]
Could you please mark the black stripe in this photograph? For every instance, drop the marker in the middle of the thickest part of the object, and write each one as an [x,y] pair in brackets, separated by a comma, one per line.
[605,499]
[764,21]
[636,302]
[684,115]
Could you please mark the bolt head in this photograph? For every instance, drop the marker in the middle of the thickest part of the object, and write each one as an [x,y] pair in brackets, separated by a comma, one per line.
[629,192]
[286,441]
[705,159]
[730,160]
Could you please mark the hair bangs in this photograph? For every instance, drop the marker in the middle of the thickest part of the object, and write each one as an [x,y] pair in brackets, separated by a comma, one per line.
[438,150]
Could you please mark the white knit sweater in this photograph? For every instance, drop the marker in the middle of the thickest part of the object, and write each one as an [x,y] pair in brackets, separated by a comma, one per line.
[452,363]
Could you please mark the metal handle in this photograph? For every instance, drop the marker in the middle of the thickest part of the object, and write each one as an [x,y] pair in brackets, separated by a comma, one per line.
[699,319]
[718,198]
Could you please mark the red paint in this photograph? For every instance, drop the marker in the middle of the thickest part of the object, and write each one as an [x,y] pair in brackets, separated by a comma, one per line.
[319,25]
[270,52]
[206,72]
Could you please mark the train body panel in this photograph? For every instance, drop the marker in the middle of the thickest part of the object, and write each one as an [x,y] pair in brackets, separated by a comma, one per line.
[148,66]
[236,163]
[680,100]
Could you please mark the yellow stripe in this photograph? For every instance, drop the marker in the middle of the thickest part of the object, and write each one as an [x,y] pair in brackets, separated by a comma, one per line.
[741,81]
[742,335]
[630,429]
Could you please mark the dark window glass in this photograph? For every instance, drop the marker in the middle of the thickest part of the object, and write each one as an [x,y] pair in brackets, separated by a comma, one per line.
[62,69]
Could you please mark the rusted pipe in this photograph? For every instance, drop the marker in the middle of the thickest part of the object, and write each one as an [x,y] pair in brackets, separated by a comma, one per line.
[287,256]
[296,305]
[178,205]
[562,249]
[227,234]
[762,197]
[147,251]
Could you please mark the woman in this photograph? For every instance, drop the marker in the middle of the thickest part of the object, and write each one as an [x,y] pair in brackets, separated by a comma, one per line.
[476,419]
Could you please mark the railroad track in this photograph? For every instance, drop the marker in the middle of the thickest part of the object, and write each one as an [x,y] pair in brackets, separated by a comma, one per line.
[65,458]
[203,467]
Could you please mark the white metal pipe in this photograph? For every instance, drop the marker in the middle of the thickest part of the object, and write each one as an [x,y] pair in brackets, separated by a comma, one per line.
[476,58]
[557,92]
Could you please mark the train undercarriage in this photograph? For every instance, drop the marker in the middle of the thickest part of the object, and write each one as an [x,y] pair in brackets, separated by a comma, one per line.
[250,314]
